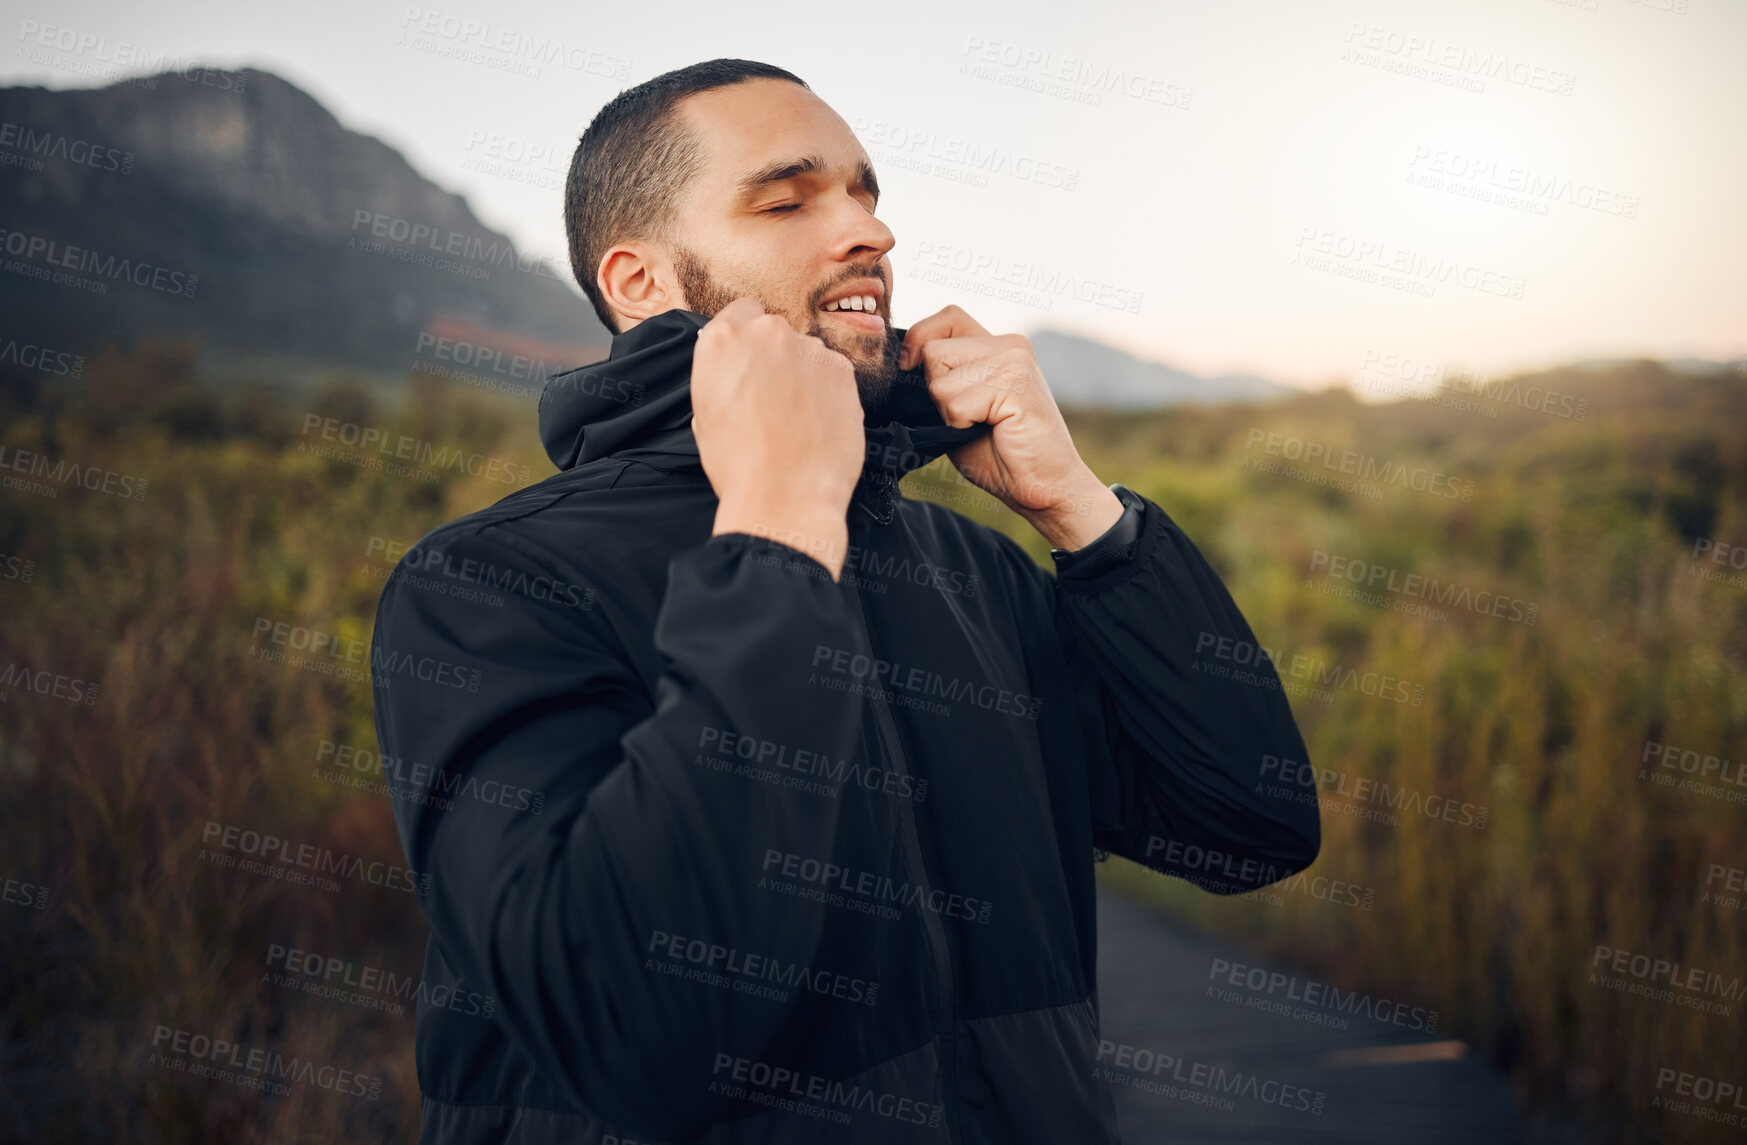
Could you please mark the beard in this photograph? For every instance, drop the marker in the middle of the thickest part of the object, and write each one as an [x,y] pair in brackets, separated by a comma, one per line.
[874,356]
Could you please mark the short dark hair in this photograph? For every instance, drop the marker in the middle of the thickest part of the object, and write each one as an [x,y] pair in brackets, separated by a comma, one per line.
[634,160]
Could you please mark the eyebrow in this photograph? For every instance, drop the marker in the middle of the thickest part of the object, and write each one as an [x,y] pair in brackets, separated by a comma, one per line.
[783,169]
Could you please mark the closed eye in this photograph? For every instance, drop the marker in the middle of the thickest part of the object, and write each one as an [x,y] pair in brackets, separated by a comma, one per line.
[782,209]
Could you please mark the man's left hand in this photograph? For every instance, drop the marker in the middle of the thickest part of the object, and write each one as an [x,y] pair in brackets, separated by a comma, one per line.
[1027,460]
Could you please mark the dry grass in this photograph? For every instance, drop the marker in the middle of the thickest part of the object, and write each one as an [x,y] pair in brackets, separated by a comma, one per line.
[1544,725]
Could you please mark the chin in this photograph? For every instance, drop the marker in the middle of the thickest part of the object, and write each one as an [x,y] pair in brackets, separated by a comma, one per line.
[865,351]
[873,393]
[869,354]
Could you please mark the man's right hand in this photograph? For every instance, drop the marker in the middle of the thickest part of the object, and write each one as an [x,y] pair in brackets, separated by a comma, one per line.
[778,422]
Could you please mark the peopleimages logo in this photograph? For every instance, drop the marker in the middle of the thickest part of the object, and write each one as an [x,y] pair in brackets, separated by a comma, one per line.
[1363,466]
[83,260]
[371,987]
[367,440]
[1244,653]
[329,653]
[1049,283]
[1225,873]
[928,148]
[33,895]
[65,472]
[265,850]
[420,236]
[1091,78]
[770,759]
[60,363]
[1260,982]
[1538,188]
[16,568]
[252,1068]
[420,783]
[470,571]
[45,683]
[1390,263]
[1694,763]
[34,142]
[1721,1101]
[870,886]
[1403,374]
[1378,794]
[1207,1084]
[744,972]
[475,41]
[1427,56]
[1664,980]
[481,357]
[901,680]
[779,1087]
[1721,554]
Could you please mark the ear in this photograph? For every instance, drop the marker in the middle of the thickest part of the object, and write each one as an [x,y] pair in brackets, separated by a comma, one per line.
[638,282]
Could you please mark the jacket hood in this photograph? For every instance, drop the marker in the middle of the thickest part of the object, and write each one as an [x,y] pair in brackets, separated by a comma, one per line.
[636,404]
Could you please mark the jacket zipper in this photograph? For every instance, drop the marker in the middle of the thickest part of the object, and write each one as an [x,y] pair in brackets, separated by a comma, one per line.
[945,1015]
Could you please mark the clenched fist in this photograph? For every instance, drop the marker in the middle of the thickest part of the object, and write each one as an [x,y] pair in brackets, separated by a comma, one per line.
[778,421]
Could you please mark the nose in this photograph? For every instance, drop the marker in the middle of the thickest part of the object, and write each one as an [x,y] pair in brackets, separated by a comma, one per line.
[858,233]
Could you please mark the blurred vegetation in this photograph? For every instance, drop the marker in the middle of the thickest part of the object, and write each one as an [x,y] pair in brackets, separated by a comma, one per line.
[156,601]
[1545,725]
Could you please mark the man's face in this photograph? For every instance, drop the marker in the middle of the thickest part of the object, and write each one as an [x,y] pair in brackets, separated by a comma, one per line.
[782,209]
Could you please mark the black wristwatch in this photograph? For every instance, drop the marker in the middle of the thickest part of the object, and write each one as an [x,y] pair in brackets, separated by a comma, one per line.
[1113,546]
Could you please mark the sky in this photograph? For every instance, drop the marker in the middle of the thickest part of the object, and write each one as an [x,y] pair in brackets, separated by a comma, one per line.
[1304,190]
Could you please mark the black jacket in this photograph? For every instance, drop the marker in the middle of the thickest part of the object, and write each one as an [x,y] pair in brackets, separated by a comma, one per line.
[721,850]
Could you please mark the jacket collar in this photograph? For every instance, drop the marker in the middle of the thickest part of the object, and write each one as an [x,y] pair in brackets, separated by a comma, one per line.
[635,404]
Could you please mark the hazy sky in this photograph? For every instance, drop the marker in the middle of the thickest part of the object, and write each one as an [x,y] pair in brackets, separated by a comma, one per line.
[1278,187]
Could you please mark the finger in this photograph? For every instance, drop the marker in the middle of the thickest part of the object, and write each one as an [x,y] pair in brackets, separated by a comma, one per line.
[959,402]
[949,322]
[978,390]
[942,354]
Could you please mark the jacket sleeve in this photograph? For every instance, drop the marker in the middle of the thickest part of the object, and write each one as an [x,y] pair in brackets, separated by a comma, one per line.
[639,837]
[1195,724]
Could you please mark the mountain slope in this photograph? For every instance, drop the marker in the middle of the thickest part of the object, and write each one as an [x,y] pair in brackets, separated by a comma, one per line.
[232,207]
[1087,373]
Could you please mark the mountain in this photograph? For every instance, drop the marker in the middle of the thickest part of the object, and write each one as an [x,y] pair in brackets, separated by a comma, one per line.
[1697,366]
[1087,373]
[233,208]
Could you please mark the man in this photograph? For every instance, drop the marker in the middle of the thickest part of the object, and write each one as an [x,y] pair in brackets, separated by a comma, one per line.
[763,801]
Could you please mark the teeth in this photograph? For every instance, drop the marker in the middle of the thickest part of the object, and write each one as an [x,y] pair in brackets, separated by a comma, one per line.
[863,302]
